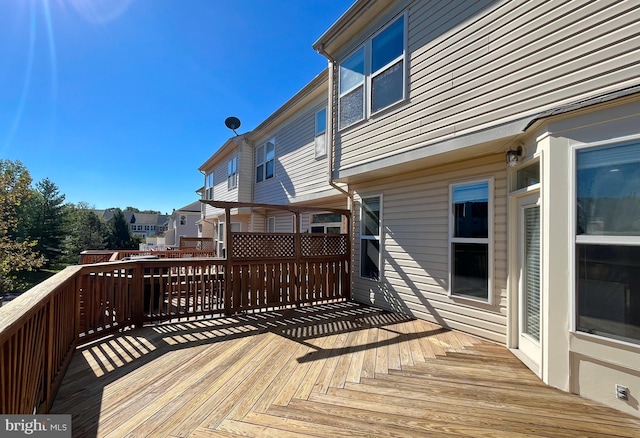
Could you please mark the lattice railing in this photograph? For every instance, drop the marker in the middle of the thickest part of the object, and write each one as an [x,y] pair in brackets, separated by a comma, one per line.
[263,246]
[323,245]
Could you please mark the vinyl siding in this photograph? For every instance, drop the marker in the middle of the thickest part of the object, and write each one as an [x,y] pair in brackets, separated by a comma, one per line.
[475,65]
[298,174]
[415,267]
[242,191]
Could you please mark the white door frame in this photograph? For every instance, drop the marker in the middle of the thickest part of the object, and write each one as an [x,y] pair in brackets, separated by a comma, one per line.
[528,345]
[517,202]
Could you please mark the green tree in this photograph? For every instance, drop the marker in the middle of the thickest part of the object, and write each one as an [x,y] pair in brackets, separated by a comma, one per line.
[86,231]
[51,221]
[16,253]
[120,237]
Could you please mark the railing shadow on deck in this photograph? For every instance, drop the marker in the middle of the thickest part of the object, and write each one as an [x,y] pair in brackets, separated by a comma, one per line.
[108,359]
[40,330]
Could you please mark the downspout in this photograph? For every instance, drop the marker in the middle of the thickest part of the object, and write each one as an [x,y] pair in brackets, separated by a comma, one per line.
[330,136]
[331,117]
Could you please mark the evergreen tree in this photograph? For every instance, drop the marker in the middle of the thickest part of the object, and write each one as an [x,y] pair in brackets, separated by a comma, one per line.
[51,223]
[120,237]
[16,253]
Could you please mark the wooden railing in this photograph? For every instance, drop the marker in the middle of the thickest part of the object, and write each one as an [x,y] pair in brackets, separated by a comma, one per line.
[40,329]
[99,256]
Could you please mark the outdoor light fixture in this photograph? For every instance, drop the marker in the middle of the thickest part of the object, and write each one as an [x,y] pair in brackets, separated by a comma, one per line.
[512,156]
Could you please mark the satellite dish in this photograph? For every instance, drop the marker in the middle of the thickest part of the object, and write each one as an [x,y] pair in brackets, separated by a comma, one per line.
[232,123]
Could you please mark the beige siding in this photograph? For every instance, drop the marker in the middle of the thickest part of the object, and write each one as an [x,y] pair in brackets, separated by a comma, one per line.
[298,174]
[415,248]
[472,66]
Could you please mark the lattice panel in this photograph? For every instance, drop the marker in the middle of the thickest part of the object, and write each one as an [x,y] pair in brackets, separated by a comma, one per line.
[264,246]
[324,245]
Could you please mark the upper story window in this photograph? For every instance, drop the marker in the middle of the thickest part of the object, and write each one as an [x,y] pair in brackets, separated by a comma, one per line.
[232,173]
[208,186]
[183,220]
[265,160]
[373,77]
[321,133]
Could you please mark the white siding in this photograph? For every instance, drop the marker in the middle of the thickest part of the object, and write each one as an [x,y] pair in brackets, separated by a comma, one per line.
[414,271]
[474,65]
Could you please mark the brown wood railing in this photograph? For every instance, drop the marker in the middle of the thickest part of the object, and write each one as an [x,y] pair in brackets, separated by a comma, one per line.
[99,256]
[40,329]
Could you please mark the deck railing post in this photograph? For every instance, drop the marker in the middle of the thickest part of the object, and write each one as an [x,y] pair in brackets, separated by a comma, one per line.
[228,268]
[137,298]
[298,262]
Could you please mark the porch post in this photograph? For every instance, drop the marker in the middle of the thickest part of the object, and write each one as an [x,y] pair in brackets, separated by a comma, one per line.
[228,268]
[298,260]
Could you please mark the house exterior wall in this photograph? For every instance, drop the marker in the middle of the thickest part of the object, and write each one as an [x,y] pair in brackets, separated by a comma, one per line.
[583,363]
[239,148]
[414,269]
[484,64]
[477,74]
[299,176]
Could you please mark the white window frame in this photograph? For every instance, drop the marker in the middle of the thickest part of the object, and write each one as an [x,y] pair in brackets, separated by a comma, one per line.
[264,160]
[271,224]
[232,173]
[183,219]
[592,239]
[208,184]
[377,237]
[320,140]
[489,240]
[369,75]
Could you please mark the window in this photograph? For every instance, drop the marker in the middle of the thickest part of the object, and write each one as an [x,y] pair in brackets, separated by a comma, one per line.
[470,257]
[183,220]
[370,237]
[328,223]
[265,160]
[381,61]
[321,133]
[208,184]
[232,173]
[608,241]
[271,224]
[351,99]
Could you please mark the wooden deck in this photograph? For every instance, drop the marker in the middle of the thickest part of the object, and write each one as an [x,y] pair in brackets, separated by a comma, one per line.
[332,370]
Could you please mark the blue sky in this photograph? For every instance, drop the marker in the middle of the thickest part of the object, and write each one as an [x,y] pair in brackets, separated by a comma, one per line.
[118,102]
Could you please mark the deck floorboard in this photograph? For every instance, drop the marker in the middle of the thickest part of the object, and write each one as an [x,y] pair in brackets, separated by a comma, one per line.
[340,369]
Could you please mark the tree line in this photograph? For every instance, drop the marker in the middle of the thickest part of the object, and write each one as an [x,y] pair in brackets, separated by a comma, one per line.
[38,230]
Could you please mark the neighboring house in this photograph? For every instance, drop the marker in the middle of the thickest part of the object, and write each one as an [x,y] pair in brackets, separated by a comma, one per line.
[428,100]
[183,222]
[282,161]
[140,224]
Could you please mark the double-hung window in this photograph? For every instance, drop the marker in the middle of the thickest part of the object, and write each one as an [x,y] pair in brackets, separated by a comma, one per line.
[208,184]
[470,249]
[607,253]
[373,77]
[265,160]
[370,237]
[321,133]
[232,173]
